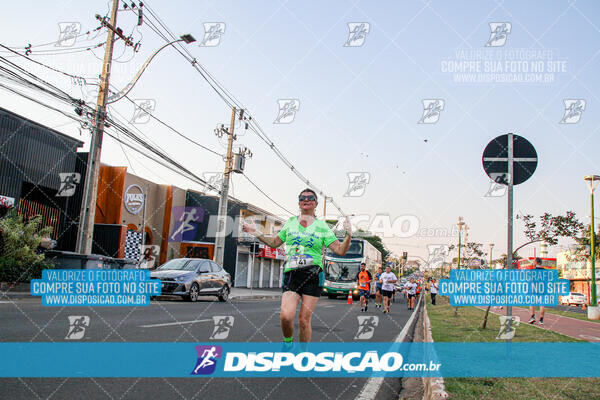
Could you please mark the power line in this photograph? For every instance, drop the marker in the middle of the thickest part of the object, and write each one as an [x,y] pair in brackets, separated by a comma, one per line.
[266,195]
[231,101]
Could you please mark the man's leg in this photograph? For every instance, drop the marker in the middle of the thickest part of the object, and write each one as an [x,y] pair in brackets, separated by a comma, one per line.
[306,310]
[289,303]
[532,313]
[433,299]
[542,313]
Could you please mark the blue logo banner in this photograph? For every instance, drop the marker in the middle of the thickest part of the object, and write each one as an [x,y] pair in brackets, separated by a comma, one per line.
[504,287]
[353,359]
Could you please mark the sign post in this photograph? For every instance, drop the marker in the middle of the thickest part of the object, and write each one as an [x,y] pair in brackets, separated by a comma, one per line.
[509,160]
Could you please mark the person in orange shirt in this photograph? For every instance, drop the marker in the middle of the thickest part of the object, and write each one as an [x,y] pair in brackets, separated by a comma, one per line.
[363,279]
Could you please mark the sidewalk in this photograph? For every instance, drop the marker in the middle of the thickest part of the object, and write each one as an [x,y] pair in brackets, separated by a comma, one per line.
[573,327]
[21,291]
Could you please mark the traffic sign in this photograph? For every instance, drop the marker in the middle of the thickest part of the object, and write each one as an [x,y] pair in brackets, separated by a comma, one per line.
[495,159]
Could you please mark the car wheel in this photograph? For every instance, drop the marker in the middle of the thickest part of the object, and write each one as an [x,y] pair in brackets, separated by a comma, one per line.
[224,295]
[194,292]
[332,296]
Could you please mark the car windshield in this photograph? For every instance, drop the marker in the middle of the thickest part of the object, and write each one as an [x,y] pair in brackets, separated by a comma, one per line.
[341,271]
[179,264]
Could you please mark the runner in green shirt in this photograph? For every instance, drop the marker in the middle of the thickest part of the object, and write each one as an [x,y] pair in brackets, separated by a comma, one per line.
[305,237]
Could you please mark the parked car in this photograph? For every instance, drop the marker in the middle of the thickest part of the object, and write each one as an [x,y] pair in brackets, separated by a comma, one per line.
[575,298]
[193,277]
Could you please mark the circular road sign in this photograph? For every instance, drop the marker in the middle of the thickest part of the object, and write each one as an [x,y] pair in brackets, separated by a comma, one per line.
[495,159]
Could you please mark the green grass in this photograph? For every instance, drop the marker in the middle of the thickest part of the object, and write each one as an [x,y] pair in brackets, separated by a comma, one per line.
[466,327]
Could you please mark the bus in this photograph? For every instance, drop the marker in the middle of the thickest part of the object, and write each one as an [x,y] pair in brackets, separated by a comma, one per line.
[527,263]
[341,271]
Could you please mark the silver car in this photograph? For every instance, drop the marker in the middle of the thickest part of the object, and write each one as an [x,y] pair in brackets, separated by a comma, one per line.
[193,277]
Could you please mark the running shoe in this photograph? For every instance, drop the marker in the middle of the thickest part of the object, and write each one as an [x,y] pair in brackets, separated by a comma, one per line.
[541,321]
[532,320]
[366,308]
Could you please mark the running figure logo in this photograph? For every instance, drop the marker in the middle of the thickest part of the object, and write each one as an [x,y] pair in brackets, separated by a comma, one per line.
[498,34]
[573,110]
[287,111]
[68,183]
[357,183]
[498,184]
[68,34]
[223,325]
[188,219]
[213,179]
[366,326]
[437,255]
[212,34]
[432,108]
[508,327]
[142,111]
[207,359]
[358,33]
[77,325]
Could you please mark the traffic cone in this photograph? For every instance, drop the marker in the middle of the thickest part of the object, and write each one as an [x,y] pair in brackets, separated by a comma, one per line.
[350,297]
[583,307]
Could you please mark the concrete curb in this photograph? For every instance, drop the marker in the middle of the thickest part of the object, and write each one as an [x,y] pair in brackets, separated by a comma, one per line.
[434,387]
[24,295]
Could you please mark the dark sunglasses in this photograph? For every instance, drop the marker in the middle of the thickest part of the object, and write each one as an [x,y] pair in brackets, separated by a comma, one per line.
[307,198]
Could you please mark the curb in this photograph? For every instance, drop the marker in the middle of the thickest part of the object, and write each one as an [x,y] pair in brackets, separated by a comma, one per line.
[434,388]
[24,295]
[372,386]
[256,297]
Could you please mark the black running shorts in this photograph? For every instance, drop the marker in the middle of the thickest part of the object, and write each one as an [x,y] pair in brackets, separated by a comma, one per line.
[387,293]
[303,281]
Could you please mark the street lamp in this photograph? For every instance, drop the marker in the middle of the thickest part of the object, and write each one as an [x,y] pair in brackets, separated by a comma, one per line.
[460,225]
[187,39]
[491,250]
[591,181]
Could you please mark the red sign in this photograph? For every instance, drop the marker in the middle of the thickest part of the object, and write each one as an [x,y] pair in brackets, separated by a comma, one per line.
[270,252]
[7,202]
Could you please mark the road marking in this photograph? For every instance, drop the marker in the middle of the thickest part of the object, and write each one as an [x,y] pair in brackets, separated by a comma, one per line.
[371,388]
[175,323]
[4,302]
[588,337]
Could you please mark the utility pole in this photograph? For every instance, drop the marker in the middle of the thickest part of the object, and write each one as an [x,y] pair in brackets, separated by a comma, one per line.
[88,209]
[222,216]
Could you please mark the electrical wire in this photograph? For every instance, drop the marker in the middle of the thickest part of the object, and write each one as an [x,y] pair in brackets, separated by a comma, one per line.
[266,195]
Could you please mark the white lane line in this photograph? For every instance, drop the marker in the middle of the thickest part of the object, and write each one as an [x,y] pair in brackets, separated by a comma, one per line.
[175,323]
[371,388]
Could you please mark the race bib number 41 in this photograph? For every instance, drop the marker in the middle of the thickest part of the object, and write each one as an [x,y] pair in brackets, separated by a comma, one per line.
[300,261]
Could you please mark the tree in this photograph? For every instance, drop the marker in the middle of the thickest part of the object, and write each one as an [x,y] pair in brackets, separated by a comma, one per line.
[19,241]
[468,252]
[378,244]
[551,228]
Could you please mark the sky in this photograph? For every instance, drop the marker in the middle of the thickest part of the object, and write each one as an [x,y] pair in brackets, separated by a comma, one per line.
[360,102]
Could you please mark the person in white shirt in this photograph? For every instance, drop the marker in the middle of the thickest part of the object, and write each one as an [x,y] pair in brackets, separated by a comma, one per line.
[411,289]
[387,280]
[433,289]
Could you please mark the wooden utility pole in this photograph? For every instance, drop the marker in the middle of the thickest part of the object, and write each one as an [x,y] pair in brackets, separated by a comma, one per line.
[88,206]
[222,216]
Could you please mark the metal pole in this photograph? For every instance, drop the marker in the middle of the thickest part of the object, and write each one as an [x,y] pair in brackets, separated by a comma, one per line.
[88,206]
[143,225]
[458,264]
[593,301]
[222,216]
[509,242]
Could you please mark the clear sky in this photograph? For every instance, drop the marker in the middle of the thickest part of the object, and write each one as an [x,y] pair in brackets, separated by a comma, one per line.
[359,105]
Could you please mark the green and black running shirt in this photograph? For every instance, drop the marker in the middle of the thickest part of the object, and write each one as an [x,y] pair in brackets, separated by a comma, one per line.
[303,246]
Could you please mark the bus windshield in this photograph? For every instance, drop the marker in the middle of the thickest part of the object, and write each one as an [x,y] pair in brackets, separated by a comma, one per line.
[355,250]
[341,271]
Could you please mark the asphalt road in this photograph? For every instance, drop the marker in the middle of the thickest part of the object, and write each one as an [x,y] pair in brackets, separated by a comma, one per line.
[27,320]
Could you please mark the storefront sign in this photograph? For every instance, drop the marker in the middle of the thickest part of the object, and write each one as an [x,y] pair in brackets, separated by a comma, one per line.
[270,252]
[134,199]
[6,202]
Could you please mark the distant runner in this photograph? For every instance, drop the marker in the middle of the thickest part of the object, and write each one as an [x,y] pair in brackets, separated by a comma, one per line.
[433,289]
[537,264]
[387,279]
[411,290]
[378,297]
[305,237]
[363,278]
